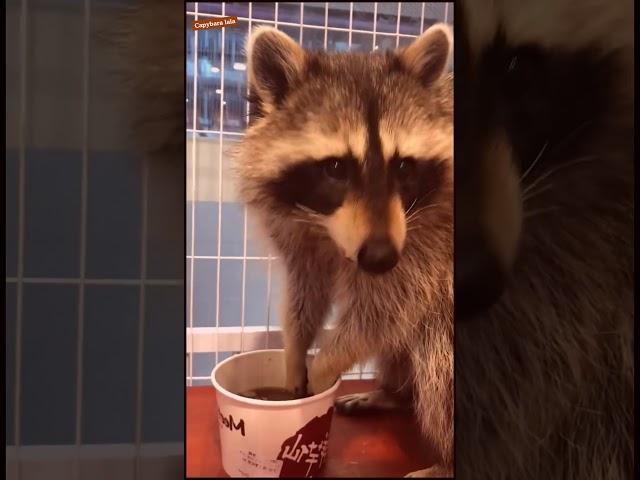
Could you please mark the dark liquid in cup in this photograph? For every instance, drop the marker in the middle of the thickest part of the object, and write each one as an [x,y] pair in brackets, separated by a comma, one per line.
[274,394]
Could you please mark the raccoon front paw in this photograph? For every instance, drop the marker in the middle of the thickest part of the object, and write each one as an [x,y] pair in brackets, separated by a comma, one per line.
[436,471]
[367,401]
[297,384]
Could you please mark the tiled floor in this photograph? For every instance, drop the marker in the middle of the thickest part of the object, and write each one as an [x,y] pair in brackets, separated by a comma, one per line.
[376,445]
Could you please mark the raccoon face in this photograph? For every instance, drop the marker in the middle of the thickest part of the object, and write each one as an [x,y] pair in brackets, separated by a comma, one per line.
[535,102]
[354,144]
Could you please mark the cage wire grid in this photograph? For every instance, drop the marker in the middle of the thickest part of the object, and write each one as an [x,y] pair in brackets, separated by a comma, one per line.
[208,340]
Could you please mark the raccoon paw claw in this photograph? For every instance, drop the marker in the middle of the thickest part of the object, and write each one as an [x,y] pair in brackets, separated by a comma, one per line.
[360,402]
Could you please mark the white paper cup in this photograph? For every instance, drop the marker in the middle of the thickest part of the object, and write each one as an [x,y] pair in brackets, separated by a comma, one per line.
[260,438]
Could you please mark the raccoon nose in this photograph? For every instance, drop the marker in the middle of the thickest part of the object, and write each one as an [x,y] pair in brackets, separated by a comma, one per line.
[479,277]
[378,255]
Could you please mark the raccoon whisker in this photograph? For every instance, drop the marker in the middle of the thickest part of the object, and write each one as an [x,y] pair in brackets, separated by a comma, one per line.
[421,209]
[412,204]
[312,222]
[418,200]
[566,138]
[553,147]
[531,194]
[415,214]
[538,211]
[554,170]
[544,147]
[308,210]
[305,209]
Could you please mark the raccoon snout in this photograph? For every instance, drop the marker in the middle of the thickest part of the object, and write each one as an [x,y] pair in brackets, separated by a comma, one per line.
[378,255]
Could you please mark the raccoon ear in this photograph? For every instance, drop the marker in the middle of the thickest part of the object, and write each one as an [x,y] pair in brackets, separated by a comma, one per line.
[428,55]
[275,63]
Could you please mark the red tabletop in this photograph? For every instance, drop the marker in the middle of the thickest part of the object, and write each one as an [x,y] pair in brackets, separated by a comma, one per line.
[374,445]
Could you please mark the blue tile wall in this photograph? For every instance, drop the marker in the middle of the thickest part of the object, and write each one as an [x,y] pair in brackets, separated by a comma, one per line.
[10,360]
[235,90]
[238,9]
[257,244]
[11,213]
[263,10]
[190,36]
[361,42]
[291,30]
[187,220]
[111,320]
[387,17]
[386,42]
[49,364]
[255,312]
[313,38]
[203,364]
[410,14]
[337,41]
[52,228]
[206,232]
[163,385]
[314,13]
[204,292]
[114,205]
[165,220]
[232,230]
[363,16]
[338,15]
[230,292]
[289,12]
[275,307]
[208,7]
[209,78]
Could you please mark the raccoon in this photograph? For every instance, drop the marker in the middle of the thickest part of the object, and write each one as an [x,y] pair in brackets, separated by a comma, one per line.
[544,240]
[348,164]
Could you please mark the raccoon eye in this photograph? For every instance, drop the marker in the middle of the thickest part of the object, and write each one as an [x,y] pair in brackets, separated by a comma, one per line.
[336,169]
[405,168]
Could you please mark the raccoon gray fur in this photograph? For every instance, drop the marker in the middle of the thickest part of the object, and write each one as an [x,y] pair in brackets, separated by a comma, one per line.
[544,240]
[348,165]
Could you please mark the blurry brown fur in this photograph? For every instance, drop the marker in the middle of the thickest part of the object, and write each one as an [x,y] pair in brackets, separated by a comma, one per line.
[147,43]
[544,186]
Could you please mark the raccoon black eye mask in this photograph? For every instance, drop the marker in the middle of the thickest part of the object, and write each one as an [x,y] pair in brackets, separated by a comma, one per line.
[320,186]
[323,185]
